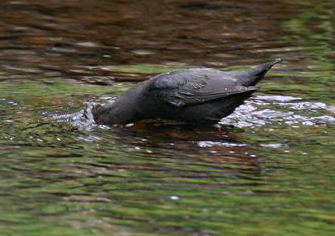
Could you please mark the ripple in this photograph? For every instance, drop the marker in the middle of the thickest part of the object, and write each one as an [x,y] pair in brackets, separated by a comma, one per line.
[90,138]
[207,144]
[277,98]
[312,106]
[83,119]
[142,52]
[260,111]
[272,145]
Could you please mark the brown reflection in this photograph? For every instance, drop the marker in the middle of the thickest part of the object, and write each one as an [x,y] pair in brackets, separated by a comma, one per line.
[218,148]
[75,38]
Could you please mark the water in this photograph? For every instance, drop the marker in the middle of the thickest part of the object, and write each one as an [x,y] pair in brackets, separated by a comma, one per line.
[267,169]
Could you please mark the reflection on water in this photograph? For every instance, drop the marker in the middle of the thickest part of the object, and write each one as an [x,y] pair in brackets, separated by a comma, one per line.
[68,38]
[267,169]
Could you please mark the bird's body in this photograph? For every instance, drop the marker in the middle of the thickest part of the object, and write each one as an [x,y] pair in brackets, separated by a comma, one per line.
[190,95]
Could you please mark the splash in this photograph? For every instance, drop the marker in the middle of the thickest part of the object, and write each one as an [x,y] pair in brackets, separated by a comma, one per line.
[256,112]
[292,111]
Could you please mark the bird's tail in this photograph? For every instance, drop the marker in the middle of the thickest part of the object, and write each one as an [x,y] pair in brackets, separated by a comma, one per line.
[251,77]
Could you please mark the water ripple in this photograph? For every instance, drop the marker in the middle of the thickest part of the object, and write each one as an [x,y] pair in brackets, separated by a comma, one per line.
[259,111]
[262,110]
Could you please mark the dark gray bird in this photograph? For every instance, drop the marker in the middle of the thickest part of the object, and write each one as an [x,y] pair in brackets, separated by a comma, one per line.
[191,95]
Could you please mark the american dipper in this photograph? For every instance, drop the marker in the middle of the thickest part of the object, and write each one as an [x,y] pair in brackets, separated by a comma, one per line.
[192,95]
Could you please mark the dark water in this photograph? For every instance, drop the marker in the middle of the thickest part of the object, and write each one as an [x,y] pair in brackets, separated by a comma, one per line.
[268,169]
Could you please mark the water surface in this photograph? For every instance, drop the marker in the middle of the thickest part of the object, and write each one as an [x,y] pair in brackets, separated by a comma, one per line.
[268,169]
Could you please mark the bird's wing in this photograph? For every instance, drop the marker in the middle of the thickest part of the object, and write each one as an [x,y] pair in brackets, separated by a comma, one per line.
[194,86]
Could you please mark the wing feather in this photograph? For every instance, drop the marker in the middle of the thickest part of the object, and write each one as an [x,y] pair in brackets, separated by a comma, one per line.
[195,86]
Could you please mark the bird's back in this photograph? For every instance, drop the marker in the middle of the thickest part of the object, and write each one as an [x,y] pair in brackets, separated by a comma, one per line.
[192,95]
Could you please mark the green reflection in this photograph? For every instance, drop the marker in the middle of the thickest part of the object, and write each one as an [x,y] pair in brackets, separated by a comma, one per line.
[158,181]
[119,184]
[143,68]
